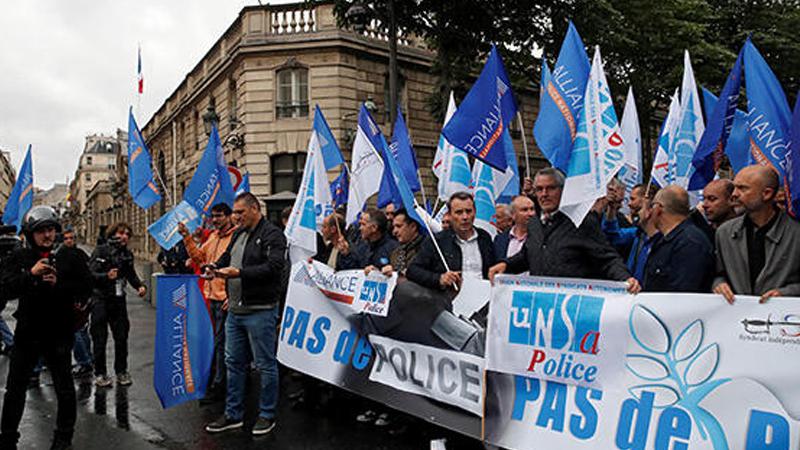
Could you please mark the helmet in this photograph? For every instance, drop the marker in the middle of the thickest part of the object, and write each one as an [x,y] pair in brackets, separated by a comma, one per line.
[38,217]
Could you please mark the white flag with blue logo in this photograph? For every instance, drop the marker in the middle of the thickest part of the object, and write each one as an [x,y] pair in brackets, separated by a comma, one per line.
[312,205]
[660,173]
[450,164]
[631,172]
[366,168]
[690,129]
[598,152]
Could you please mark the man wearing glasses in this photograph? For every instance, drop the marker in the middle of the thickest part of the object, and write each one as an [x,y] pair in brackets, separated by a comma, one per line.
[557,248]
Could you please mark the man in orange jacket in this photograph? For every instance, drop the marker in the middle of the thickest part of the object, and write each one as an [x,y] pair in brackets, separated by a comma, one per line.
[214,289]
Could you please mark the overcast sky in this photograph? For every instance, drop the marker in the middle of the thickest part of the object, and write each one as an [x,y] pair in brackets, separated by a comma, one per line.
[68,69]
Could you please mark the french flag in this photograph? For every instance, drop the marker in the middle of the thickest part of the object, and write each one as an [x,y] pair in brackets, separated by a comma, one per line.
[139,72]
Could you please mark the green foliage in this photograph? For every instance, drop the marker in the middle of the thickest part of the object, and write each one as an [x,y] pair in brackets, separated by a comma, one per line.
[642,41]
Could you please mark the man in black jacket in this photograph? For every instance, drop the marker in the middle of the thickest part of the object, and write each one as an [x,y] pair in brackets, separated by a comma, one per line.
[468,250]
[112,267]
[254,266]
[48,287]
[373,249]
[557,248]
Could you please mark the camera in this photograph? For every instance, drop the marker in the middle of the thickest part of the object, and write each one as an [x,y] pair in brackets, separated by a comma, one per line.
[120,256]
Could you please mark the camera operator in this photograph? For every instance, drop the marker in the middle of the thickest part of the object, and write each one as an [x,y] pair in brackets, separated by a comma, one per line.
[48,287]
[9,242]
[112,266]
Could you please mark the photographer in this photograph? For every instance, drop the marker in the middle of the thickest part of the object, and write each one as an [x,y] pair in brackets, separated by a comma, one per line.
[48,287]
[112,266]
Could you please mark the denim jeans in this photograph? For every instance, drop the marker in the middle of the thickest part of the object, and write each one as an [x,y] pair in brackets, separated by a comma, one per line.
[257,332]
[5,331]
[218,316]
[82,350]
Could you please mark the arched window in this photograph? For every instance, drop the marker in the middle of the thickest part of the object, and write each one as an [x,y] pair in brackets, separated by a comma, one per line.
[292,101]
[287,171]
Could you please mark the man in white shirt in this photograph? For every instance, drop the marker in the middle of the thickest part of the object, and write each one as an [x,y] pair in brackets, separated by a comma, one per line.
[510,243]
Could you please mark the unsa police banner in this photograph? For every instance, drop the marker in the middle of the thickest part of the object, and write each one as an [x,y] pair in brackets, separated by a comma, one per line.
[578,364]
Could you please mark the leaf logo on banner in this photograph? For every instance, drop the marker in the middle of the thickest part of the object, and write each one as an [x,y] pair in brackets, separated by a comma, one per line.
[675,373]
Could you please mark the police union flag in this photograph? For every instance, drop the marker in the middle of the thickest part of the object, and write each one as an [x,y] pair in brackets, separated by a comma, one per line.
[141,184]
[21,198]
[488,108]
[184,340]
[598,153]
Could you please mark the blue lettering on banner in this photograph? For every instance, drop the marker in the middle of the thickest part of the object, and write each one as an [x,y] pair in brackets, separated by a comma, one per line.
[296,324]
[767,431]
[552,413]
[557,325]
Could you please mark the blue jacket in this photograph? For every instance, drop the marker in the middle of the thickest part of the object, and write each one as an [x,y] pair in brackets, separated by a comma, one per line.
[681,261]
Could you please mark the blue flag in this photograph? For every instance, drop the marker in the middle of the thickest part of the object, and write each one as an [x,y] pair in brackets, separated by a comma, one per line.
[21,198]
[398,185]
[330,149]
[486,111]
[709,151]
[738,147]
[557,123]
[793,162]
[244,186]
[511,189]
[184,344]
[211,183]
[769,117]
[339,189]
[141,184]
[165,229]
[403,152]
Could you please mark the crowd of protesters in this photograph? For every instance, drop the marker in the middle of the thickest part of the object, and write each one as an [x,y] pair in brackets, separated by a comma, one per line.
[737,241]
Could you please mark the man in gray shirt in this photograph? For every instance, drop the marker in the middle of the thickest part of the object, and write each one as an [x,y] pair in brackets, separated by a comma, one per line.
[254,266]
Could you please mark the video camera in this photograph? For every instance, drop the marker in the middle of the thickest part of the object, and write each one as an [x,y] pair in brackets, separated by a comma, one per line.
[120,256]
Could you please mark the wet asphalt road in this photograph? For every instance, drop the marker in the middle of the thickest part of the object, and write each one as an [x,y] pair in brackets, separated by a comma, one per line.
[132,418]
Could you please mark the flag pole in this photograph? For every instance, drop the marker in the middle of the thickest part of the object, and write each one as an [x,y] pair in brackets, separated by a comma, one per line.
[422,189]
[426,218]
[524,145]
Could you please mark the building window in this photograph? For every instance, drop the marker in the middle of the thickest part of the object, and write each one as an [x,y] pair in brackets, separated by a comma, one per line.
[292,93]
[88,160]
[233,104]
[87,177]
[287,172]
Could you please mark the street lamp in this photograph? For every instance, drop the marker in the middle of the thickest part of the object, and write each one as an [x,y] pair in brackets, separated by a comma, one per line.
[357,15]
[210,117]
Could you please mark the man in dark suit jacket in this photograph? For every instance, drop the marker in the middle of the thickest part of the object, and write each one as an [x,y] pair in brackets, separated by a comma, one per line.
[557,248]
[522,209]
[468,250]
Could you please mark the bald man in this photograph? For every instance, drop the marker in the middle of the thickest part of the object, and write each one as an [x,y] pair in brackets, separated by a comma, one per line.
[682,260]
[717,203]
[758,253]
[510,243]
[504,219]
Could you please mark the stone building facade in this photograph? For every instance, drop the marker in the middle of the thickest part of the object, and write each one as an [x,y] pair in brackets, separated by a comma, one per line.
[8,177]
[263,78]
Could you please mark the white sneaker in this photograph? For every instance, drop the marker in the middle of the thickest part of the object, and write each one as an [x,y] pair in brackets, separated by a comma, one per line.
[103,381]
[124,379]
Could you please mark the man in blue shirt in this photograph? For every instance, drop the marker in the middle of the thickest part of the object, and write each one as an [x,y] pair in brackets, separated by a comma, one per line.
[640,238]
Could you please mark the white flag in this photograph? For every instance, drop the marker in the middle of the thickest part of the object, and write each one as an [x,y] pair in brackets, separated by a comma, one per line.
[631,172]
[660,172]
[451,163]
[598,152]
[366,169]
[690,129]
[312,205]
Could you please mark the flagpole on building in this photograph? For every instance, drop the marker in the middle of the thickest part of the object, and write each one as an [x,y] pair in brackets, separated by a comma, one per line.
[524,145]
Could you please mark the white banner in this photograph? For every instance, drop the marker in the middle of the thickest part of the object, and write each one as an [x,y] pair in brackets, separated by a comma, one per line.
[698,373]
[370,294]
